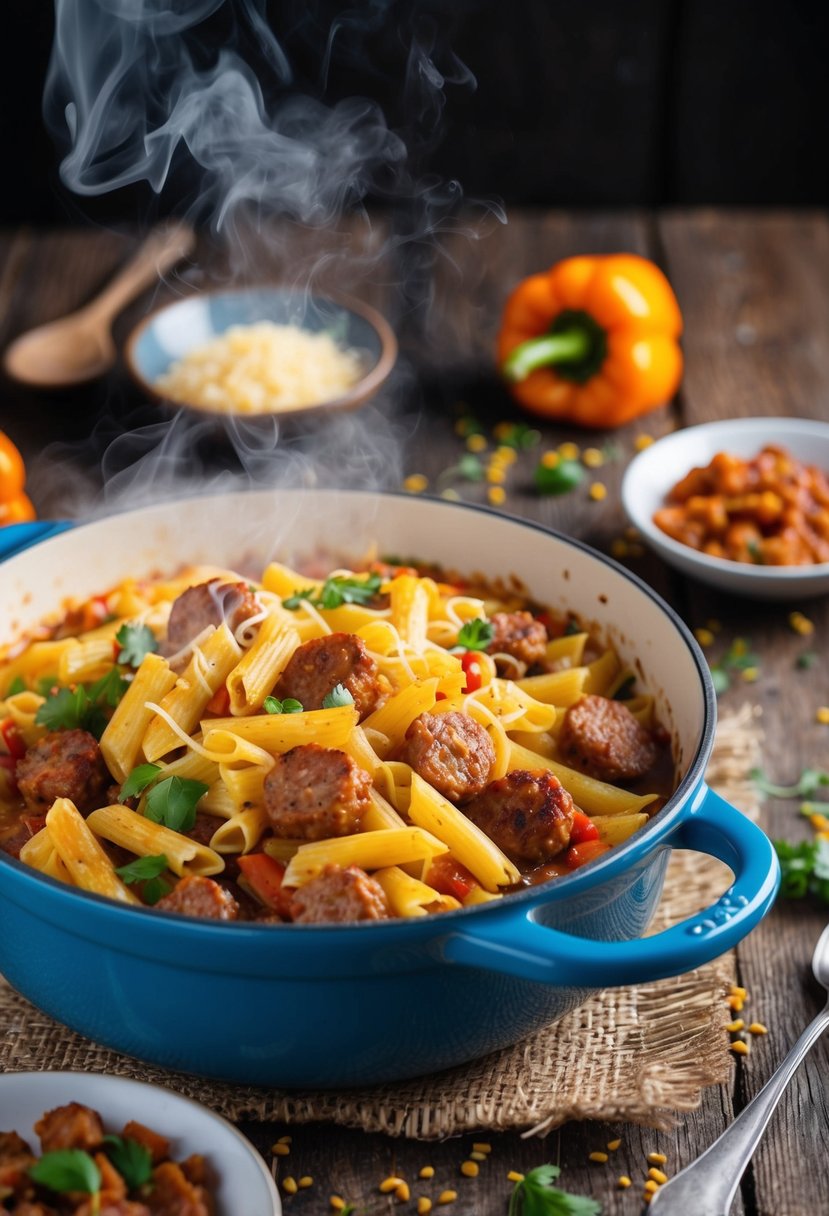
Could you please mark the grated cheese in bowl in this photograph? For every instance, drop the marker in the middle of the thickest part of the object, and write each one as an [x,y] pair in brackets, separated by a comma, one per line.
[262,368]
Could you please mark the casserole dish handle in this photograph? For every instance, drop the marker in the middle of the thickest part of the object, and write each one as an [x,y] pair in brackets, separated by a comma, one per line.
[17,537]
[518,945]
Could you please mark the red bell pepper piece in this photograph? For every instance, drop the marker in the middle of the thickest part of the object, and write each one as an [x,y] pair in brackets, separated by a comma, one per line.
[579,854]
[12,739]
[263,877]
[219,703]
[582,829]
[449,877]
[471,665]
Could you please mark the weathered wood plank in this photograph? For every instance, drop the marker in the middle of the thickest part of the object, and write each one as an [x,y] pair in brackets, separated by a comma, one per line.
[757,342]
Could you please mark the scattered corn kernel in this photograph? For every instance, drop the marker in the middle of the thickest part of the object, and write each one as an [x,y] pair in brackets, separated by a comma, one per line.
[750,674]
[612,1145]
[514,1176]
[657,1176]
[801,624]
[476,443]
[482,1147]
[402,1192]
[496,495]
[593,458]
[740,1048]
[289,1185]
[390,1184]
[473,1156]
[623,1182]
[280,1149]
[569,451]
[285,1140]
[598,491]
[736,1025]
[428,1171]
[618,547]
[757,1028]
[819,822]
[450,495]
[651,1186]
[735,1003]
[657,1158]
[337,1203]
[505,455]
[736,990]
[647,1197]
[470,1169]
[705,637]
[305,1181]
[822,715]
[424,1206]
[447,1196]
[550,459]
[642,441]
[416,483]
[600,1157]
[495,474]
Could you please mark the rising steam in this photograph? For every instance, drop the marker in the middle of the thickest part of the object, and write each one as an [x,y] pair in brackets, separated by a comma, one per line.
[204,99]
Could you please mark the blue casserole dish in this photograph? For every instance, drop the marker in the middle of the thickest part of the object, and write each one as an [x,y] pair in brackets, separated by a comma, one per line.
[337,1005]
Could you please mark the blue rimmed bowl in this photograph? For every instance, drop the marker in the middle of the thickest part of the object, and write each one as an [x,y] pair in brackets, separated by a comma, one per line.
[334,1005]
[175,330]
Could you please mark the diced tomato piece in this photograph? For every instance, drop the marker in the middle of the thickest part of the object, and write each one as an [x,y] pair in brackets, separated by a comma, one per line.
[582,829]
[440,696]
[471,665]
[219,703]
[12,738]
[449,877]
[579,854]
[263,877]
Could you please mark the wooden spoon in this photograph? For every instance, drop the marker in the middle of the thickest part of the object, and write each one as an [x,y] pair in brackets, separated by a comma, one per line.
[79,347]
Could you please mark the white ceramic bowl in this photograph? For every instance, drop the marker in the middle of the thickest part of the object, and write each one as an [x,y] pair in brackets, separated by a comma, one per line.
[652,473]
[191,1128]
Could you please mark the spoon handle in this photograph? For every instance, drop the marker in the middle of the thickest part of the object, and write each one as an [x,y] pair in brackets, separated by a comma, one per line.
[707,1186]
[161,250]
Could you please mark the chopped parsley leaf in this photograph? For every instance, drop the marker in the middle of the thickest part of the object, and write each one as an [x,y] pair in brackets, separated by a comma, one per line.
[475,635]
[172,802]
[336,591]
[535,1195]
[146,870]
[133,1161]
[67,1169]
[338,696]
[138,780]
[272,705]
[136,642]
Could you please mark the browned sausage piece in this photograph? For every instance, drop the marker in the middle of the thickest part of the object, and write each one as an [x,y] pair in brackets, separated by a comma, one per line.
[518,634]
[70,1126]
[603,739]
[318,666]
[24,1208]
[208,604]
[340,894]
[64,764]
[173,1194]
[450,751]
[527,814]
[195,895]
[314,792]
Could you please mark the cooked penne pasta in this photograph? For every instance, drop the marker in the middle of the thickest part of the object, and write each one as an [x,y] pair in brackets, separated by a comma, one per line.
[141,836]
[187,700]
[39,853]
[88,865]
[408,896]
[472,847]
[256,673]
[370,850]
[274,733]
[241,832]
[123,739]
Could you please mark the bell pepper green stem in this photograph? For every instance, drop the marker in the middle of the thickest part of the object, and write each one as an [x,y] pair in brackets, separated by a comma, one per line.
[566,346]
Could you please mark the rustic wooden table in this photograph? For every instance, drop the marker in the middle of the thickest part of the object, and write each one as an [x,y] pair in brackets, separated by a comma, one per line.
[753,292]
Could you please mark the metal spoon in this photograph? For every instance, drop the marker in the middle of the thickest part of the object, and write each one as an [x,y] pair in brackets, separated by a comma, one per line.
[707,1186]
[79,347]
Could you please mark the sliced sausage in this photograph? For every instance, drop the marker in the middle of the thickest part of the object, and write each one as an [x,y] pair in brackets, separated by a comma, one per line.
[527,814]
[314,792]
[450,751]
[70,1126]
[518,634]
[195,895]
[208,604]
[317,667]
[602,738]
[64,764]
[340,894]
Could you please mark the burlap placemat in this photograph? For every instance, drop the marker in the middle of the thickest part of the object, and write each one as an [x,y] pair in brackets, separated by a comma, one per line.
[636,1055]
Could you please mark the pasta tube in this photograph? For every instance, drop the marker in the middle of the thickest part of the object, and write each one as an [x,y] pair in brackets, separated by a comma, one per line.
[121,741]
[369,850]
[89,866]
[141,836]
[472,847]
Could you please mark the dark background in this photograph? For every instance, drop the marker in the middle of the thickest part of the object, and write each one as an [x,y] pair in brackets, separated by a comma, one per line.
[579,103]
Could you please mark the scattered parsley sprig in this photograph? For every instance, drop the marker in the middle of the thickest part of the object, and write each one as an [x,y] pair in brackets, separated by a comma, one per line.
[337,697]
[146,870]
[535,1195]
[804,868]
[138,780]
[68,1169]
[172,802]
[476,634]
[72,709]
[136,642]
[133,1161]
[272,705]
[336,591]
[810,780]
[737,658]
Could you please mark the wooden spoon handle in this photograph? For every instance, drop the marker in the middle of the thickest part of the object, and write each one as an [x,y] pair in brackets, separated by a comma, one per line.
[162,249]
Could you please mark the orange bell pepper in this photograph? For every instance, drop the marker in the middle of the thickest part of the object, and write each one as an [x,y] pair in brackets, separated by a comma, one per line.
[593,340]
[12,472]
